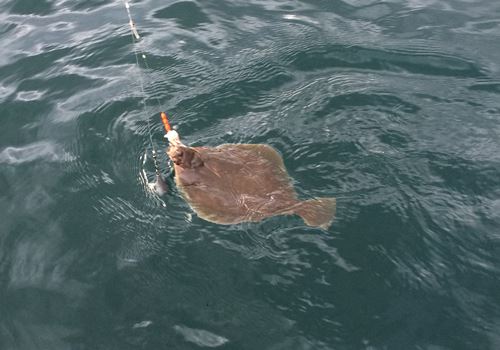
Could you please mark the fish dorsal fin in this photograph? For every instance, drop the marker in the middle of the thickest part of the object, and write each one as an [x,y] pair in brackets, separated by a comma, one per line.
[264,151]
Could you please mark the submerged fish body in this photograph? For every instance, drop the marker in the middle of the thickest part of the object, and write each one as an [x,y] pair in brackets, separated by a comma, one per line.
[159,186]
[236,183]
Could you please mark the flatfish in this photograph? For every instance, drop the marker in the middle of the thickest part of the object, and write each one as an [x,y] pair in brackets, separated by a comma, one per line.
[234,183]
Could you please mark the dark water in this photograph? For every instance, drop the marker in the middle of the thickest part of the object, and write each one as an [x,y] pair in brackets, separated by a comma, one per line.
[393,107]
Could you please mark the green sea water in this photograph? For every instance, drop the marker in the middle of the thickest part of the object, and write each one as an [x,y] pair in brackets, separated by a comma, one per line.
[392,107]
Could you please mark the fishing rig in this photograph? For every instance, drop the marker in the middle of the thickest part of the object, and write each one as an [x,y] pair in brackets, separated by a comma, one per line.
[159,185]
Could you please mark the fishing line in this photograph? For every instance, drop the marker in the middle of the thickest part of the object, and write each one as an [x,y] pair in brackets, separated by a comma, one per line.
[135,40]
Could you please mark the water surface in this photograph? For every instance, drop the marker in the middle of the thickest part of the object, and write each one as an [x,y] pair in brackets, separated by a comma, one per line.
[392,107]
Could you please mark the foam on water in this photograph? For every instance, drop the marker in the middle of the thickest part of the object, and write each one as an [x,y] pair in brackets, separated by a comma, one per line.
[42,150]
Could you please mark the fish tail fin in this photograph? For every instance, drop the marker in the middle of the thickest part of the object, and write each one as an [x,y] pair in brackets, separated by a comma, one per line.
[318,212]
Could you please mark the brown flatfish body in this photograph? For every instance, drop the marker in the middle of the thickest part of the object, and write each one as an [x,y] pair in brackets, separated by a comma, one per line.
[236,183]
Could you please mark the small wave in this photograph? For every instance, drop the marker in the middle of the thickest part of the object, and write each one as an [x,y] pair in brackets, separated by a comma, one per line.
[329,56]
[32,95]
[300,19]
[186,13]
[142,324]
[201,337]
